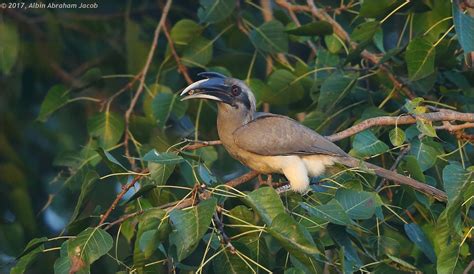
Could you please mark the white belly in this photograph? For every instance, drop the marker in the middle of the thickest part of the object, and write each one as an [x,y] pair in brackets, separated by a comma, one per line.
[296,168]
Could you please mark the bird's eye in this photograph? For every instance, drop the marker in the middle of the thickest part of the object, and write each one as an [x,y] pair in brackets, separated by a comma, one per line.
[235,90]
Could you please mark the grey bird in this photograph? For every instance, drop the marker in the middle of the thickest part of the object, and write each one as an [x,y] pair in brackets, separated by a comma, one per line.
[270,143]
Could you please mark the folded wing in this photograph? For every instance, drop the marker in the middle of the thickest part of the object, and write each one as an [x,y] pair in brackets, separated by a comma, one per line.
[271,134]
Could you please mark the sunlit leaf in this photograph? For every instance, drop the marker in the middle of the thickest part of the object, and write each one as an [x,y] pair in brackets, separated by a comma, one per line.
[9,47]
[184,31]
[397,136]
[107,127]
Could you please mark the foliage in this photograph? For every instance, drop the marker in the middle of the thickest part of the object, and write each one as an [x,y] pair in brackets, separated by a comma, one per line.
[89,107]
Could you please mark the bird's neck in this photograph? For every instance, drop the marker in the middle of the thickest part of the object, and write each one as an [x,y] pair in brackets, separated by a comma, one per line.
[229,119]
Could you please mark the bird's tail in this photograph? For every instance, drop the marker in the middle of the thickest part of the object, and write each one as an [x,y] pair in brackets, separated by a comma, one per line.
[393,176]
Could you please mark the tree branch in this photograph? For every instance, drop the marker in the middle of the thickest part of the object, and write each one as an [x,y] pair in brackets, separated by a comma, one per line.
[445,115]
[143,74]
[181,68]
[114,204]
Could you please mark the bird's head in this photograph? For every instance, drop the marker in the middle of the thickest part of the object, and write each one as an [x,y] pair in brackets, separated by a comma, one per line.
[222,89]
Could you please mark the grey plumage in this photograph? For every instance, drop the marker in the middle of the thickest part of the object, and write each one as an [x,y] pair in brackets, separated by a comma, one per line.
[270,143]
[268,135]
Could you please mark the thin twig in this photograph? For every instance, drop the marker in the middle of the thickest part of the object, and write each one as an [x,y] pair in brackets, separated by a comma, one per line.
[124,218]
[143,73]
[445,115]
[181,68]
[114,204]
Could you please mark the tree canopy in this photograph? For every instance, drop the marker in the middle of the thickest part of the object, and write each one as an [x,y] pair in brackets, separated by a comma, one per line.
[104,169]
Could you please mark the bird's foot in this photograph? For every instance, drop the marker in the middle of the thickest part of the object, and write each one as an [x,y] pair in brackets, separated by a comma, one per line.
[267,182]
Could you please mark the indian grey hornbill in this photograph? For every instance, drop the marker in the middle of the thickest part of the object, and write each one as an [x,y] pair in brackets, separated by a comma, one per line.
[270,143]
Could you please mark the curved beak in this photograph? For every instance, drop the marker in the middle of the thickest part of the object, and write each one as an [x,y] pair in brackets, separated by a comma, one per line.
[212,88]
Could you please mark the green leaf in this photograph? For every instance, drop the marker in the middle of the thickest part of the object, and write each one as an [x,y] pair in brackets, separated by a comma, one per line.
[375,8]
[243,213]
[87,185]
[402,262]
[153,228]
[366,144]
[212,11]
[162,157]
[416,235]
[359,205]
[56,98]
[293,270]
[364,32]
[184,31]
[454,179]
[198,53]
[397,136]
[29,254]
[425,154]
[334,88]
[160,173]
[464,26]
[266,202]
[312,29]
[340,236]
[227,262]
[284,88]
[166,104]
[107,127]
[9,47]
[420,58]
[137,50]
[292,236]
[270,37]
[190,226]
[448,258]
[332,212]
[113,164]
[89,246]
[426,127]
[333,43]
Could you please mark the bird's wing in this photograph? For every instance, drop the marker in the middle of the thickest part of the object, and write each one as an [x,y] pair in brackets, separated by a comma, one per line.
[271,134]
